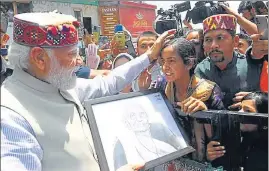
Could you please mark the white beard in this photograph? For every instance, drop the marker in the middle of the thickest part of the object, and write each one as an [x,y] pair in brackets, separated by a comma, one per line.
[60,77]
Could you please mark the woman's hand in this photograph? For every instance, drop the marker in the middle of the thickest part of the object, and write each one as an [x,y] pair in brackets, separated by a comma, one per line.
[192,105]
[214,152]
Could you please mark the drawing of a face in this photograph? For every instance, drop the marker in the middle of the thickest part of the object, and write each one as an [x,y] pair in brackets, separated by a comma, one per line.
[137,120]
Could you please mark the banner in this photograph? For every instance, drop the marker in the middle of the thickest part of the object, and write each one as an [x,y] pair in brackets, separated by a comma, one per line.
[137,20]
[108,19]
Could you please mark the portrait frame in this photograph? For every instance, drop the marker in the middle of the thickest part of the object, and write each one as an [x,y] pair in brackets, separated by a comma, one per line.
[97,140]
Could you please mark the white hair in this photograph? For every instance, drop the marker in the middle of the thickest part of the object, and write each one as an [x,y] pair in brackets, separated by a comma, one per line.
[18,55]
[59,76]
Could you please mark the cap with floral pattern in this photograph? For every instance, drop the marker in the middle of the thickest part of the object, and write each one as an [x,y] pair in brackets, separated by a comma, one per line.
[49,29]
[220,21]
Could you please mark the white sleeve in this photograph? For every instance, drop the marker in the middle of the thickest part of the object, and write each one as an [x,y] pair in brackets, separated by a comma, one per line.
[119,78]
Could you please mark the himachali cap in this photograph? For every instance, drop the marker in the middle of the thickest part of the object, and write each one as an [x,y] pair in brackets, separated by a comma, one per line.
[220,21]
[45,29]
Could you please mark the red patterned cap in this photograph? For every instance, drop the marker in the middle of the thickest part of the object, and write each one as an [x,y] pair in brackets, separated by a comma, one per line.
[220,21]
[45,29]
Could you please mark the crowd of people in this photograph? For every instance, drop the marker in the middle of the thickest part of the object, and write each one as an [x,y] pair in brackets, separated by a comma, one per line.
[45,83]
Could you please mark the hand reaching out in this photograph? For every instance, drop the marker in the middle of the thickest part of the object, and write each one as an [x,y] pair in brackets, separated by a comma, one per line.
[92,58]
[144,80]
[214,150]
[192,105]
[229,10]
[154,52]
[259,47]
[237,100]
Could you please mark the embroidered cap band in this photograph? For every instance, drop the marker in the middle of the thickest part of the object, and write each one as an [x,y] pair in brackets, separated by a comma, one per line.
[45,29]
[220,21]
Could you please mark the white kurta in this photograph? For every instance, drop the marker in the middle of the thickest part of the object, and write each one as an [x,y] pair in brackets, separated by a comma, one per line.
[58,118]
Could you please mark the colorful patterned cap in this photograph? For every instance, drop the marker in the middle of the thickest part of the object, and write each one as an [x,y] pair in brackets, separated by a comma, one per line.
[45,29]
[220,21]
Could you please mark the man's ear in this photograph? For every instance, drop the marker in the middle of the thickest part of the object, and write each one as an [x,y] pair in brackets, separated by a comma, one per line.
[236,41]
[37,58]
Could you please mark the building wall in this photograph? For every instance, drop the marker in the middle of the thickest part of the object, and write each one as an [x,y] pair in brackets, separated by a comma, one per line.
[67,8]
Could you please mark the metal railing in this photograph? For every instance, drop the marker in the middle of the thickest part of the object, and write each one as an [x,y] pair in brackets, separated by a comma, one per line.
[231,136]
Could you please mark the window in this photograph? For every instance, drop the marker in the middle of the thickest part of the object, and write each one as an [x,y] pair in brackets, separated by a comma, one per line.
[77,15]
[24,7]
[10,10]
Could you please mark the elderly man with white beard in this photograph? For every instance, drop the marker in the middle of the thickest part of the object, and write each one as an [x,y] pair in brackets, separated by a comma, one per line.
[43,122]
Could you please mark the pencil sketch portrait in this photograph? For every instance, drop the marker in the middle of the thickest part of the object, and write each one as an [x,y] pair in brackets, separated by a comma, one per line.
[144,140]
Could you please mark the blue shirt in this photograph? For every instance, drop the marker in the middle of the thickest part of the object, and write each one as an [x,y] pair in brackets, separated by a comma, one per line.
[83,72]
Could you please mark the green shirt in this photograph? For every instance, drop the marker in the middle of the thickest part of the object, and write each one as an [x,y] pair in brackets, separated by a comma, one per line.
[241,74]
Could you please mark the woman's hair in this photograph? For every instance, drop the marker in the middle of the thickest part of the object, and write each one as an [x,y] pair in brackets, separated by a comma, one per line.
[185,50]
[261,101]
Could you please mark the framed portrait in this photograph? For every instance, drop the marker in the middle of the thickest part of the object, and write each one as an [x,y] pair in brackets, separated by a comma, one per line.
[135,128]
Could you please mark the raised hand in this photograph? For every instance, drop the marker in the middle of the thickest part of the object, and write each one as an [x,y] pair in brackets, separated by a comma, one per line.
[92,59]
[154,52]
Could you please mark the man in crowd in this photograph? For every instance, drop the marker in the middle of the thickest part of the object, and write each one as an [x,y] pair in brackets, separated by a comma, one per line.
[145,42]
[244,42]
[249,10]
[235,73]
[43,123]
[197,37]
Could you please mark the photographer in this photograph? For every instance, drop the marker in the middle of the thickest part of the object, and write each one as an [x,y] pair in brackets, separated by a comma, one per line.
[248,26]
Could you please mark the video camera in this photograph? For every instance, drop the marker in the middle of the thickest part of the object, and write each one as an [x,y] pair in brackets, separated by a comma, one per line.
[171,18]
[201,11]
